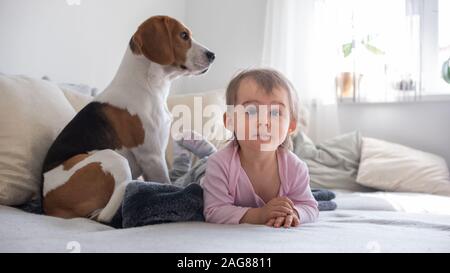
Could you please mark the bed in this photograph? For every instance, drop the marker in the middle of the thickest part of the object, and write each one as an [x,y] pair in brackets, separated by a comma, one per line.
[363,222]
[374,221]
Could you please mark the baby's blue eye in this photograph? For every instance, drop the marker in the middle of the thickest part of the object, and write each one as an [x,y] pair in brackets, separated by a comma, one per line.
[250,110]
[275,112]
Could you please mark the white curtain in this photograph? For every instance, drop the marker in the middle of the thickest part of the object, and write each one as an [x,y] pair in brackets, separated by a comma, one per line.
[300,42]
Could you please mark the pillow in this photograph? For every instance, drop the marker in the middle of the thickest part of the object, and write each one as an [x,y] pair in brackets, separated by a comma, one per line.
[80,88]
[32,112]
[196,104]
[78,95]
[332,164]
[77,100]
[393,167]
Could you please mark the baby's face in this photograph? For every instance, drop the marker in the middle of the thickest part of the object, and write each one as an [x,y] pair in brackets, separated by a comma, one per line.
[261,121]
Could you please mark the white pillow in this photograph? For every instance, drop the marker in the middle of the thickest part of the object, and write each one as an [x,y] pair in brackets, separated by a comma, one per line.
[32,112]
[77,100]
[393,167]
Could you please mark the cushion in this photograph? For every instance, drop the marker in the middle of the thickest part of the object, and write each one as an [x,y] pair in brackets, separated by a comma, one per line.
[334,163]
[393,167]
[76,99]
[80,88]
[32,112]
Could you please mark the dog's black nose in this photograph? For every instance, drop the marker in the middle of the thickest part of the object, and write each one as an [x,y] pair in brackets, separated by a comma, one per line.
[210,55]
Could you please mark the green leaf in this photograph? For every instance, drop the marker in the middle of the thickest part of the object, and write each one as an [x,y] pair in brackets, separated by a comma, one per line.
[374,49]
[347,49]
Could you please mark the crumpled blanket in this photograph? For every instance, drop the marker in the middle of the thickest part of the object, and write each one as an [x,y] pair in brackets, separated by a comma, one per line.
[323,198]
[148,203]
[189,143]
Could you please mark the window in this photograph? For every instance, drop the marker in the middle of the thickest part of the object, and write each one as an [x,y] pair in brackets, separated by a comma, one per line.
[436,46]
[392,49]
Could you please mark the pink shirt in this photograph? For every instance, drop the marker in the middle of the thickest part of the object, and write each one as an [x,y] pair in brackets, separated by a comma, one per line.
[228,192]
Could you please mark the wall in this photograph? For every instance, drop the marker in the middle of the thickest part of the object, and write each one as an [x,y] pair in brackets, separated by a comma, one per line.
[85,43]
[73,43]
[234,30]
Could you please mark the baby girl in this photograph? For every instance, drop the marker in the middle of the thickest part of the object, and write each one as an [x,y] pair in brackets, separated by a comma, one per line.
[256,179]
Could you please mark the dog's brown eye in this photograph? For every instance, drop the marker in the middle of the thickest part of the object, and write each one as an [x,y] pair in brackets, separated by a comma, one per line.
[184,35]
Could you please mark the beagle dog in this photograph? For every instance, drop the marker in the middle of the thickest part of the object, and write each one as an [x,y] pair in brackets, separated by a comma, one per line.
[123,133]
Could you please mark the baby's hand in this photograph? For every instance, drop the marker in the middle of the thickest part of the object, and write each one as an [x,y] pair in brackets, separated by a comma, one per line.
[291,220]
[277,207]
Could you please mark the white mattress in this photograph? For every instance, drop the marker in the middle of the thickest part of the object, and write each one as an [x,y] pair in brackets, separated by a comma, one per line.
[358,225]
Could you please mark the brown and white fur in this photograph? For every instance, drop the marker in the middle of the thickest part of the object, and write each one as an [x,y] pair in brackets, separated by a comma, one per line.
[123,133]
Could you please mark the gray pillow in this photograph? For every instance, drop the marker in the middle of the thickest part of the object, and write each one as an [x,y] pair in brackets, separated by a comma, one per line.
[333,164]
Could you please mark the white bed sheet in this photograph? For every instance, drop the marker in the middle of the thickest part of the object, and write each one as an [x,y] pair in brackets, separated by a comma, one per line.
[357,226]
[393,201]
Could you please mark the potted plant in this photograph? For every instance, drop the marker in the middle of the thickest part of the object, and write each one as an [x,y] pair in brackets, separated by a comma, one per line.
[348,81]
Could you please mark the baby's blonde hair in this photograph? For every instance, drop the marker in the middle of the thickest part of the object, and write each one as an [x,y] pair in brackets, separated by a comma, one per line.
[268,79]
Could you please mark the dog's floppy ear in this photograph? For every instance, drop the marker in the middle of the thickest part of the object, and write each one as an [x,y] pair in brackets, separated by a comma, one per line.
[153,39]
[135,45]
